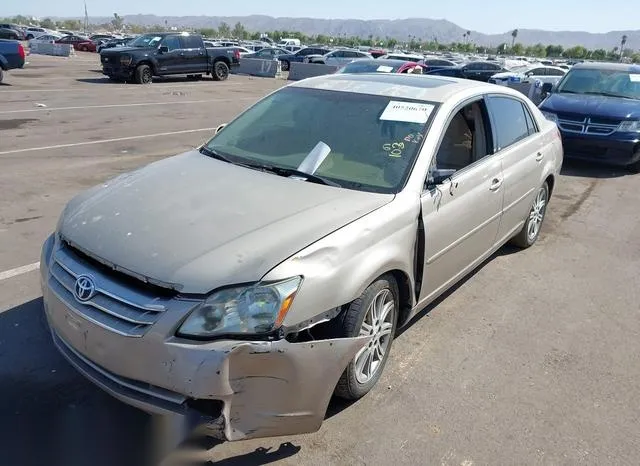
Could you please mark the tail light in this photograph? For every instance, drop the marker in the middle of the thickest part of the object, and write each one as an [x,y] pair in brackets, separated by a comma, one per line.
[236,54]
[21,51]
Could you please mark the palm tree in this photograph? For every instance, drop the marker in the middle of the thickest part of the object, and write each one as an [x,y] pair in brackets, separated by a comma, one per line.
[469,35]
[464,37]
[623,42]
[514,35]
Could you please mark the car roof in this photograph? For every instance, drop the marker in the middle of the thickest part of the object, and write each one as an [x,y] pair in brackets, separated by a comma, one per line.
[607,66]
[408,86]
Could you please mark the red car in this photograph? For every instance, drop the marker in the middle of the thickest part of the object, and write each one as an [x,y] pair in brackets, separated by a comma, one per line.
[79,43]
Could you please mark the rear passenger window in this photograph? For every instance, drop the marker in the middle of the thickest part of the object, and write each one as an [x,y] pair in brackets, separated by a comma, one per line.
[191,42]
[510,120]
[530,124]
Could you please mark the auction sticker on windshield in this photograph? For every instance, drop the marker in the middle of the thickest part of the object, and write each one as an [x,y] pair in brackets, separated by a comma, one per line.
[385,69]
[634,78]
[409,112]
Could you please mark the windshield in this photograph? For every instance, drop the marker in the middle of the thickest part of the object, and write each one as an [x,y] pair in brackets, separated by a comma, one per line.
[363,66]
[520,68]
[614,83]
[147,40]
[374,140]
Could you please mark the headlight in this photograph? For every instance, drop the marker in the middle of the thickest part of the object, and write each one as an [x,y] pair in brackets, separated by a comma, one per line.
[244,310]
[551,116]
[125,60]
[629,126]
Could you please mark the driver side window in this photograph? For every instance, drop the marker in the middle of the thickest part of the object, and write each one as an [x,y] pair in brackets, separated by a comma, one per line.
[171,42]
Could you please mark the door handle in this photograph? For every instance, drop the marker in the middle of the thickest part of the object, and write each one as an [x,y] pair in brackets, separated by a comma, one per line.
[495,184]
[539,156]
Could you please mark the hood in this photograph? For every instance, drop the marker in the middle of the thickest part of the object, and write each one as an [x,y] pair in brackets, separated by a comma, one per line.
[198,223]
[592,105]
[118,50]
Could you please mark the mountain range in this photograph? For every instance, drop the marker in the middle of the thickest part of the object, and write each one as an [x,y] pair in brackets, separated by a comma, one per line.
[401,29]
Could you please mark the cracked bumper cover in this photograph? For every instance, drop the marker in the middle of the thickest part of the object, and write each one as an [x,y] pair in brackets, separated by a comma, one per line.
[265,388]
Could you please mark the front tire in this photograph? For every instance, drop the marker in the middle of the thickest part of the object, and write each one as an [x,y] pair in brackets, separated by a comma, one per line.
[220,71]
[635,167]
[1,74]
[143,74]
[374,313]
[285,65]
[531,229]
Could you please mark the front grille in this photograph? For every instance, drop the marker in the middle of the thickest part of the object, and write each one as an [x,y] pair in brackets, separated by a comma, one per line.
[587,125]
[114,306]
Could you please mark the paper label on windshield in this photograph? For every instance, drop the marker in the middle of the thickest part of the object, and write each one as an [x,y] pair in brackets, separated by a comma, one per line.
[634,78]
[385,69]
[409,112]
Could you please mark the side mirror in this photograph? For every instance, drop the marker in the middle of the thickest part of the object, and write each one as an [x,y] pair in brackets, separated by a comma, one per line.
[219,128]
[547,88]
[439,176]
[163,49]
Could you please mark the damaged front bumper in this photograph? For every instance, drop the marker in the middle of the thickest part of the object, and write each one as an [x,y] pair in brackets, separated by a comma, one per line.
[238,389]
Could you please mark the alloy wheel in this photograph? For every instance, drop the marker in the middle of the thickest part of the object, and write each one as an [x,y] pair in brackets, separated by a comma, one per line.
[377,323]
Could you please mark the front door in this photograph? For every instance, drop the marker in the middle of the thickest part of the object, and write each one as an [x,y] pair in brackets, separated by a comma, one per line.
[171,61]
[461,215]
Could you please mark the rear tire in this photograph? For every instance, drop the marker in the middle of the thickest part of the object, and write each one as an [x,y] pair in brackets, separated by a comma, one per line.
[533,224]
[220,71]
[285,65]
[143,74]
[375,313]
[634,167]
[1,74]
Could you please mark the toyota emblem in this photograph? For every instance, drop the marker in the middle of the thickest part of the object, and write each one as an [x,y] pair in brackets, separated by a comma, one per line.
[84,288]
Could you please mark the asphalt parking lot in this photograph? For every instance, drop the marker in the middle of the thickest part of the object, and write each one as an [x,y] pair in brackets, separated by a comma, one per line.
[534,359]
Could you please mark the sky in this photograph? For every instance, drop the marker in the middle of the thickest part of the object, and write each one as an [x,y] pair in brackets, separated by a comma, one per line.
[487,16]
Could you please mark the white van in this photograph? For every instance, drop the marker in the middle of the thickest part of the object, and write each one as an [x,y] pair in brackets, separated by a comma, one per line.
[289,43]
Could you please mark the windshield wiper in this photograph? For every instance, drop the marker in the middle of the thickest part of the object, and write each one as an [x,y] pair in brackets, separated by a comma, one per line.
[215,155]
[282,171]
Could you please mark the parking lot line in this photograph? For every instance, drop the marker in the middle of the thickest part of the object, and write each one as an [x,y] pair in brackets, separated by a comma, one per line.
[142,104]
[104,141]
[117,88]
[19,271]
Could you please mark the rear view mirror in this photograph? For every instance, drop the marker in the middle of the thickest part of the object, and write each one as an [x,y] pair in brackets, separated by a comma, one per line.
[219,128]
[439,176]
[163,49]
[547,88]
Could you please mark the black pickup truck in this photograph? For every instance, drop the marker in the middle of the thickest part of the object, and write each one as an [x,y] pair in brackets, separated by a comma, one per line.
[12,55]
[165,54]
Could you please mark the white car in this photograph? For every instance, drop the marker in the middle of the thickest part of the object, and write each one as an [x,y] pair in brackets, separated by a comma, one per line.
[403,56]
[44,39]
[529,73]
[339,57]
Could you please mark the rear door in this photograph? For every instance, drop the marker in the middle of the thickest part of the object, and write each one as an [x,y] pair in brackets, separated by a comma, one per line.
[519,144]
[193,54]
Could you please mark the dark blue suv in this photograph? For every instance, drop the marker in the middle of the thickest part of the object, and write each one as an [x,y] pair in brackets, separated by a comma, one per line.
[597,109]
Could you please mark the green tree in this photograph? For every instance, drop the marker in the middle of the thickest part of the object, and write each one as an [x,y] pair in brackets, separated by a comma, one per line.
[70,24]
[554,50]
[517,49]
[117,22]
[514,36]
[599,54]
[576,52]
[391,43]
[224,30]
[47,23]
[207,32]
[239,31]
